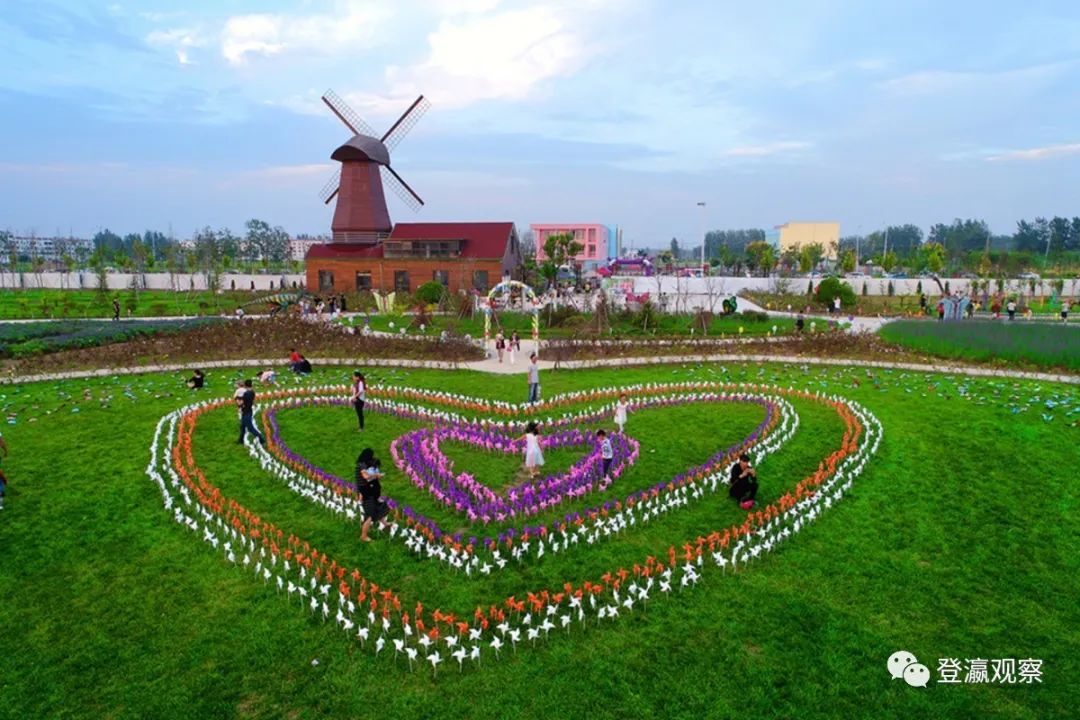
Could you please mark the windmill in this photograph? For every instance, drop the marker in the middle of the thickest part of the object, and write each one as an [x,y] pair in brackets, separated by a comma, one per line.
[360,215]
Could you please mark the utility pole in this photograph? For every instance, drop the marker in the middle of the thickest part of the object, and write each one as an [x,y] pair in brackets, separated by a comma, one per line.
[702,206]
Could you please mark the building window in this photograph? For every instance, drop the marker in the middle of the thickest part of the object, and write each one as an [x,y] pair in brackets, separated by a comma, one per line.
[442,277]
[480,280]
[401,280]
[326,280]
[592,251]
[363,281]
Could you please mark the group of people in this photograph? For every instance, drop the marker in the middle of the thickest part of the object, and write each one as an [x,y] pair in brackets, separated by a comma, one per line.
[513,345]
[298,363]
[369,474]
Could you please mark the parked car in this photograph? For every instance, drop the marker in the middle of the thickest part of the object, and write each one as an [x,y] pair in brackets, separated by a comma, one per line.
[856,275]
[1029,276]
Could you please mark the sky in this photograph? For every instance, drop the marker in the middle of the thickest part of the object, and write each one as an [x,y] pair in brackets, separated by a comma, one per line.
[158,115]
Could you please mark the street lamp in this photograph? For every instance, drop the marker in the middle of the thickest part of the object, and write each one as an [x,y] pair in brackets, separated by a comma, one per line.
[702,206]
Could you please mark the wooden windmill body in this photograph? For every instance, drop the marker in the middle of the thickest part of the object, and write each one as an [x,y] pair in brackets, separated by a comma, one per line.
[360,215]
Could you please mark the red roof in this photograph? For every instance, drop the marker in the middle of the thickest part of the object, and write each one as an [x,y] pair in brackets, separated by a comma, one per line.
[482,240]
[344,251]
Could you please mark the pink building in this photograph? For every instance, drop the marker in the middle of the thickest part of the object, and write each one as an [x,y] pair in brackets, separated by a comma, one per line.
[597,240]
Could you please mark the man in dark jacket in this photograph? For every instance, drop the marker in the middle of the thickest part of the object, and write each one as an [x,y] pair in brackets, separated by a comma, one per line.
[246,403]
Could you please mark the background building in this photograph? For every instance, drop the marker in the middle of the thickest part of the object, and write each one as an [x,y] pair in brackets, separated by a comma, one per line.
[598,241]
[790,234]
[462,256]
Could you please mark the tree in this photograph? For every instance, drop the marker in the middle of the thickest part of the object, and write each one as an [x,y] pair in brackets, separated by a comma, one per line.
[675,249]
[888,261]
[255,244]
[811,256]
[108,241]
[847,260]
[791,258]
[734,240]
[560,249]
[528,245]
[932,257]
[760,256]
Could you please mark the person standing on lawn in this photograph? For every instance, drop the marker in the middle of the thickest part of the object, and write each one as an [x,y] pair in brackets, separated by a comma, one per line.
[621,408]
[359,396]
[368,472]
[534,378]
[534,456]
[607,453]
[1064,311]
[246,403]
[515,346]
[116,309]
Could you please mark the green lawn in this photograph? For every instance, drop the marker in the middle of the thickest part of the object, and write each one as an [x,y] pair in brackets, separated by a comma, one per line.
[1049,345]
[41,303]
[960,540]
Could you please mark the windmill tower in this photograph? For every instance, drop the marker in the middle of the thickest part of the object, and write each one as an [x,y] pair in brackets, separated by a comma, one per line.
[360,215]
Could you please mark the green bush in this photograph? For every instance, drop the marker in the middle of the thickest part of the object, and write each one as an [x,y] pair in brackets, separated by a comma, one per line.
[430,292]
[830,288]
[754,316]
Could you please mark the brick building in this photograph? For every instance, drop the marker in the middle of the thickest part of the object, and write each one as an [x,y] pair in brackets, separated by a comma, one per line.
[461,256]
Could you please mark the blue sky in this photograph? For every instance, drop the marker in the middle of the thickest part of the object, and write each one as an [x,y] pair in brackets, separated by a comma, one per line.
[135,115]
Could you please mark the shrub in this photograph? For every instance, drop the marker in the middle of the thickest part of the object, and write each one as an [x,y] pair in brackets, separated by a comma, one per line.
[754,316]
[892,289]
[865,290]
[830,288]
[430,292]
[557,317]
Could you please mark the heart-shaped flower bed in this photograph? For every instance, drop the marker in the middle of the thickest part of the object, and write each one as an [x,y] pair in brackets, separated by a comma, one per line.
[426,537]
[419,455]
[372,612]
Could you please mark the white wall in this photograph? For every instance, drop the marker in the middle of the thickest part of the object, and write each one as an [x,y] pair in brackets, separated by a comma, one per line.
[152,281]
[724,286]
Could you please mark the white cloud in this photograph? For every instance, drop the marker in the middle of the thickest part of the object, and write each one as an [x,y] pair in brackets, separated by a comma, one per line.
[949,82]
[351,26]
[498,56]
[1039,153]
[773,148]
[180,40]
[463,7]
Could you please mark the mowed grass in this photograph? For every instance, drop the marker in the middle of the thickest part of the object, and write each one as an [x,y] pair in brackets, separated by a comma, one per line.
[960,540]
[1051,345]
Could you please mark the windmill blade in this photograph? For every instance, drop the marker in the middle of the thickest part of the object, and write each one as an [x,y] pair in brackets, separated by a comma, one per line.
[406,193]
[330,189]
[346,114]
[405,123]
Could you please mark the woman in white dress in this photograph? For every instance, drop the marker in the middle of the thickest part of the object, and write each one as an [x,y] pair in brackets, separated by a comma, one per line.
[534,457]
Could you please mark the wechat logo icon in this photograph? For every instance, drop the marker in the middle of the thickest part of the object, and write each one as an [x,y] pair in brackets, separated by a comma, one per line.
[903,664]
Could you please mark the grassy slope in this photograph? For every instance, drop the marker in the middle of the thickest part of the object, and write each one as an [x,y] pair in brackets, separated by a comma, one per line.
[945,548]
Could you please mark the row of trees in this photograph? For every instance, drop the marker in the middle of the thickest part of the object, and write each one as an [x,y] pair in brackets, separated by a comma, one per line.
[962,245]
[261,244]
